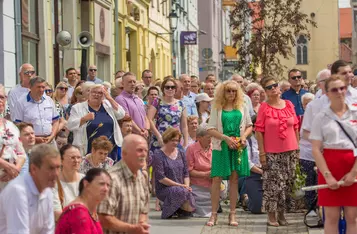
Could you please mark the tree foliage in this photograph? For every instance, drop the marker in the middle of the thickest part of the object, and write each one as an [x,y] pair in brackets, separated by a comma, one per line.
[265,31]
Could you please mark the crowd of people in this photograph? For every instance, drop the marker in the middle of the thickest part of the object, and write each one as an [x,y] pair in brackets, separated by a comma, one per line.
[91,152]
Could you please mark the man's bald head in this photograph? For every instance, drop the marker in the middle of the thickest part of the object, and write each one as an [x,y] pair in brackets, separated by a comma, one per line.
[238,78]
[134,151]
[26,72]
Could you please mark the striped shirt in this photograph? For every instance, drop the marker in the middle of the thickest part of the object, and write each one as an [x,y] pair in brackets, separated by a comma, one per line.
[128,196]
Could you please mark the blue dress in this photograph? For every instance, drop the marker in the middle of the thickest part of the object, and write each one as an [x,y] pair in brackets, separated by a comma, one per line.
[101,125]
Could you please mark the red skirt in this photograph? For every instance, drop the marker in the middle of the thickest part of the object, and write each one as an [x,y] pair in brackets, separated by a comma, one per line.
[339,162]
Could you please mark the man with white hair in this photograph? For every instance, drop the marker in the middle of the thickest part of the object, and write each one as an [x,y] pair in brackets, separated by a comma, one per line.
[239,79]
[189,97]
[26,72]
[307,161]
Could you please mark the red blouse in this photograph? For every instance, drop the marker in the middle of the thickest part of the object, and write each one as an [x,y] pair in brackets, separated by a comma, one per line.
[278,126]
[76,219]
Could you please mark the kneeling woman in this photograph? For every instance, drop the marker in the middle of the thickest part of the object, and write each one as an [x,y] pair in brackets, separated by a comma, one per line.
[172,178]
[199,160]
[334,129]
[229,119]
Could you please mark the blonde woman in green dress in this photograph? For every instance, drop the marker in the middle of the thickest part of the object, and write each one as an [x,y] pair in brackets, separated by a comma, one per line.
[229,125]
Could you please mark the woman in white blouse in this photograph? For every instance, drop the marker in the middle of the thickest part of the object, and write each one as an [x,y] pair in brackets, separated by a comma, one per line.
[334,130]
[12,154]
[66,189]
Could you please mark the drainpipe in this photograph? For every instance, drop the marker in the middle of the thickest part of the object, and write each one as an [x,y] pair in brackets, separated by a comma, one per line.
[18,36]
[117,50]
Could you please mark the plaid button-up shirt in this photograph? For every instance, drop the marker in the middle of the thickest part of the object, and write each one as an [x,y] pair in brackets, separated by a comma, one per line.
[128,196]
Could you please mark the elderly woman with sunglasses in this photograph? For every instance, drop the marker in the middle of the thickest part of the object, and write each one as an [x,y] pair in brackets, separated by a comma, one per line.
[229,125]
[277,134]
[60,98]
[334,130]
[96,117]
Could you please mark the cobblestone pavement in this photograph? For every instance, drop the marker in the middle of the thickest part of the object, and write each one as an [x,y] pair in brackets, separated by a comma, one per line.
[248,223]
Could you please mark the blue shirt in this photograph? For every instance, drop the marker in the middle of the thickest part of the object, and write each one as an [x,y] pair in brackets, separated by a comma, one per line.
[25,167]
[190,104]
[295,98]
[101,125]
[96,80]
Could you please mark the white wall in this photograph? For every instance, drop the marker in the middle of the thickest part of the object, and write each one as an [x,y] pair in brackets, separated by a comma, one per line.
[7,39]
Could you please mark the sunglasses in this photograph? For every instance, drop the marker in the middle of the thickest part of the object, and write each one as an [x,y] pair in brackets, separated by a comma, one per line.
[341,89]
[29,73]
[270,87]
[231,91]
[92,70]
[170,87]
[48,90]
[62,88]
[296,77]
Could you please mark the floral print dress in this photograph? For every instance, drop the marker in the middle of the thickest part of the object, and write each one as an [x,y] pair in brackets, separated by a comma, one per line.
[168,115]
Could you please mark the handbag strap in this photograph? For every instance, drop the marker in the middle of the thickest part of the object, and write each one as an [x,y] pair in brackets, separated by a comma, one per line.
[60,192]
[346,133]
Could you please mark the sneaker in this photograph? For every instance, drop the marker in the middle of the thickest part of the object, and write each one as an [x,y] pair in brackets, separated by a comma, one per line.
[312,214]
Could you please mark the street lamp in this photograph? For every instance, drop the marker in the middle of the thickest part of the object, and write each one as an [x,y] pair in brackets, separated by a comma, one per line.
[173,18]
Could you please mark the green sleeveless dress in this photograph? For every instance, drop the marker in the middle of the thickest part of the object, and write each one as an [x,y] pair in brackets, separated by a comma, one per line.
[226,161]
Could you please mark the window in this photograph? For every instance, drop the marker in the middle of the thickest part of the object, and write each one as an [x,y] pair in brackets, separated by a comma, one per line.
[301,50]
[29,30]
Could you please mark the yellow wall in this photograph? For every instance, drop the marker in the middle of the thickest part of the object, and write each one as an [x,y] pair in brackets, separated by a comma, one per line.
[323,48]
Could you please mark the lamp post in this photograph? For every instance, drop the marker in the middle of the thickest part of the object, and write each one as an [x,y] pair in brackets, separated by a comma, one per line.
[173,18]
[222,54]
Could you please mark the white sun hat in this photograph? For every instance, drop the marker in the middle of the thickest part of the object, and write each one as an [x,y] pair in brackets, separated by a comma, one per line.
[203,97]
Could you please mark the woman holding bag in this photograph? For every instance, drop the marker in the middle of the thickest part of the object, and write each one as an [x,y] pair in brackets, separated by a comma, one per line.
[229,125]
[335,131]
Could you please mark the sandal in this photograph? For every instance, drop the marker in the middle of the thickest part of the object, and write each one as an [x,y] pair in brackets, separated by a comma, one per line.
[245,202]
[231,218]
[273,224]
[157,205]
[282,220]
[212,220]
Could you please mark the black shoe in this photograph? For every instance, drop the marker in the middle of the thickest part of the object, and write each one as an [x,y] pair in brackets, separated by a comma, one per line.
[219,211]
[184,214]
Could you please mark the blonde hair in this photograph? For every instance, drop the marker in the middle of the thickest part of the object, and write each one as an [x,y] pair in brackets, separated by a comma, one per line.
[220,100]
[191,118]
[170,134]
[60,84]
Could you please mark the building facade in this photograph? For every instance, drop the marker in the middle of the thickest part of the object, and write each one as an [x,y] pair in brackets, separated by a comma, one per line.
[213,18]
[311,56]
[185,55]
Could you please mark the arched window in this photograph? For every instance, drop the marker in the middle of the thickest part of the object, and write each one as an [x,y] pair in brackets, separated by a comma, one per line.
[301,50]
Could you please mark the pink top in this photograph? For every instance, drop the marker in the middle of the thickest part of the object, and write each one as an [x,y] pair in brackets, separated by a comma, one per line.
[279,126]
[200,160]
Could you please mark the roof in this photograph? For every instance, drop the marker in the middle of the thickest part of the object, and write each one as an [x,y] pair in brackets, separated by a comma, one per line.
[345,22]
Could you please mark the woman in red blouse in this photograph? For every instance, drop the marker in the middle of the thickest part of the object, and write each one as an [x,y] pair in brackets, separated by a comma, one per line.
[80,216]
[277,133]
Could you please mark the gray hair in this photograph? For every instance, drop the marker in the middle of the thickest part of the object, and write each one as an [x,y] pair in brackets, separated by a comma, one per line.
[201,130]
[182,76]
[41,151]
[36,80]
[307,96]
[96,86]
[323,72]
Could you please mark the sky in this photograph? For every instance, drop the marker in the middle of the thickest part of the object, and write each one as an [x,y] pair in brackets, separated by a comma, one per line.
[344,3]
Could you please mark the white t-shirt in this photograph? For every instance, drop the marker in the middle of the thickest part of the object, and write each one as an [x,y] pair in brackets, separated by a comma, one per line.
[325,129]
[312,109]
[70,192]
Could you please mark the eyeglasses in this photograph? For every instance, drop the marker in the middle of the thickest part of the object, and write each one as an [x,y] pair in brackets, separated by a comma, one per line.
[335,90]
[97,93]
[79,158]
[62,88]
[270,87]
[92,70]
[231,91]
[29,73]
[48,90]
[296,77]
[170,87]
